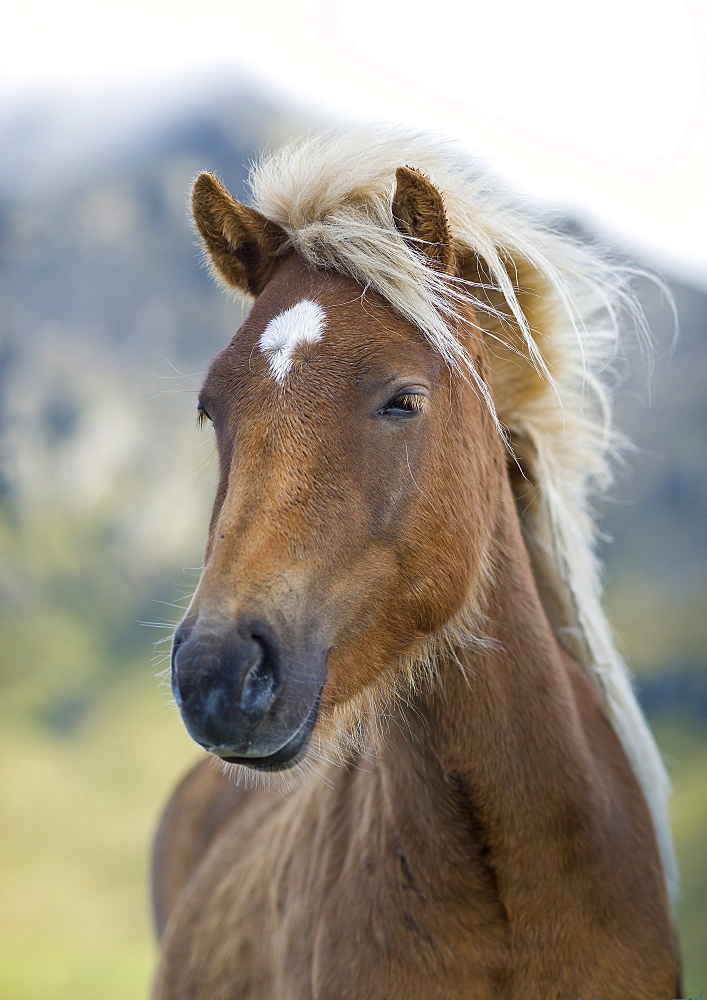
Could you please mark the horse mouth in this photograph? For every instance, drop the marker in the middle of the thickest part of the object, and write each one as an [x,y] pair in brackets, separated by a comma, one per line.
[291,753]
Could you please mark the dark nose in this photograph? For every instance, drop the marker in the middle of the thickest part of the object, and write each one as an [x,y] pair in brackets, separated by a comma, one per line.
[225,680]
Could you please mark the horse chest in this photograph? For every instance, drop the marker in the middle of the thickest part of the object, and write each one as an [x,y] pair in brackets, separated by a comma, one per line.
[325,901]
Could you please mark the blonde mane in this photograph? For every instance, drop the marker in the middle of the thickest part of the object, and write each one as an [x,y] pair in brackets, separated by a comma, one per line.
[550,310]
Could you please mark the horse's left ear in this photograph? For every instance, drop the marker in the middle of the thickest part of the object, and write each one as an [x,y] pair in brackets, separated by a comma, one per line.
[242,244]
[418,211]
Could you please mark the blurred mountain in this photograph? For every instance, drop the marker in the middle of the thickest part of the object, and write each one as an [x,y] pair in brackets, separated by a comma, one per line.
[656,565]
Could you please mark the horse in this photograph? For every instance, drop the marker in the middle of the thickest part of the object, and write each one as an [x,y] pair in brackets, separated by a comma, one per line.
[398,632]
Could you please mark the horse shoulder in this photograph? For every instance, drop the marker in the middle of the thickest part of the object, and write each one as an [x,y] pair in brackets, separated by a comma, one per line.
[197,811]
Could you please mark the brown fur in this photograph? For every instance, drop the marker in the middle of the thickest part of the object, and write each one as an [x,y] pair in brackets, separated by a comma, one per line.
[241,243]
[487,839]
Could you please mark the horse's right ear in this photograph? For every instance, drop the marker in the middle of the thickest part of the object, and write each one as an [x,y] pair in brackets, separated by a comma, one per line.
[241,243]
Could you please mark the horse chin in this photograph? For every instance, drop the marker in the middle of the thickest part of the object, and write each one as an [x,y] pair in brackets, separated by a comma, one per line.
[286,756]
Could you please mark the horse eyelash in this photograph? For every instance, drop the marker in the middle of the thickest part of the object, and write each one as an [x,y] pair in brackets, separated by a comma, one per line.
[409,401]
[201,416]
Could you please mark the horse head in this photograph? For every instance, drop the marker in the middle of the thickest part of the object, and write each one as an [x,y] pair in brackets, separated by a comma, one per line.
[350,455]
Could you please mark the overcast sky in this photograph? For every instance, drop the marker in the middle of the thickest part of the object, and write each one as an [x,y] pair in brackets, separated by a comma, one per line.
[601,109]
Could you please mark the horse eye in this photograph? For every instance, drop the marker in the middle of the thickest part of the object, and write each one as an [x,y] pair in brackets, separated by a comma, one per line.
[201,415]
[405,404]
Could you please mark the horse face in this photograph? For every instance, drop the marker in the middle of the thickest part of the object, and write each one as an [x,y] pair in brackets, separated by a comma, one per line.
[338,539]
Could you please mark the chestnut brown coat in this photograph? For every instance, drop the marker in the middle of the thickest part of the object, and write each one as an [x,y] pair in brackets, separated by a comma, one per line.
[463,821]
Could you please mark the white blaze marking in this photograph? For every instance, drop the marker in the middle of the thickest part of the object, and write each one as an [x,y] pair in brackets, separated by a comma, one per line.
[302,324]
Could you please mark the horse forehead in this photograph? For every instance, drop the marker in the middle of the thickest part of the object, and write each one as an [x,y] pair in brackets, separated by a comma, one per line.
[322,318]
[303,304]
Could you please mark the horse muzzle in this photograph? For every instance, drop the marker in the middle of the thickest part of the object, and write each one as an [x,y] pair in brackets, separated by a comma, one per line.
[245,694]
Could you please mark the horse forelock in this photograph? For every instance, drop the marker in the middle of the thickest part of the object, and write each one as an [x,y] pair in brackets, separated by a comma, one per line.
[549,311]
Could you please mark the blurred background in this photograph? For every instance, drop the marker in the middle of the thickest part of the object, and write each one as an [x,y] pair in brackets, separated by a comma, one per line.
[596,112]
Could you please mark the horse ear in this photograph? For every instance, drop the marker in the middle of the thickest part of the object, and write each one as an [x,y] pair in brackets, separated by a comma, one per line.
[418,212]
[241,243]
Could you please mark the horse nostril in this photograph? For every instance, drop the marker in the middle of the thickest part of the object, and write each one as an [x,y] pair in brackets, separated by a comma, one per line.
[260,680]
[225,680]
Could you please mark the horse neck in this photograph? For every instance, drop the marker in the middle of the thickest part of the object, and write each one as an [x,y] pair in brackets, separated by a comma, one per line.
[510,697]
[508,803]
[510,749]
[513,684]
